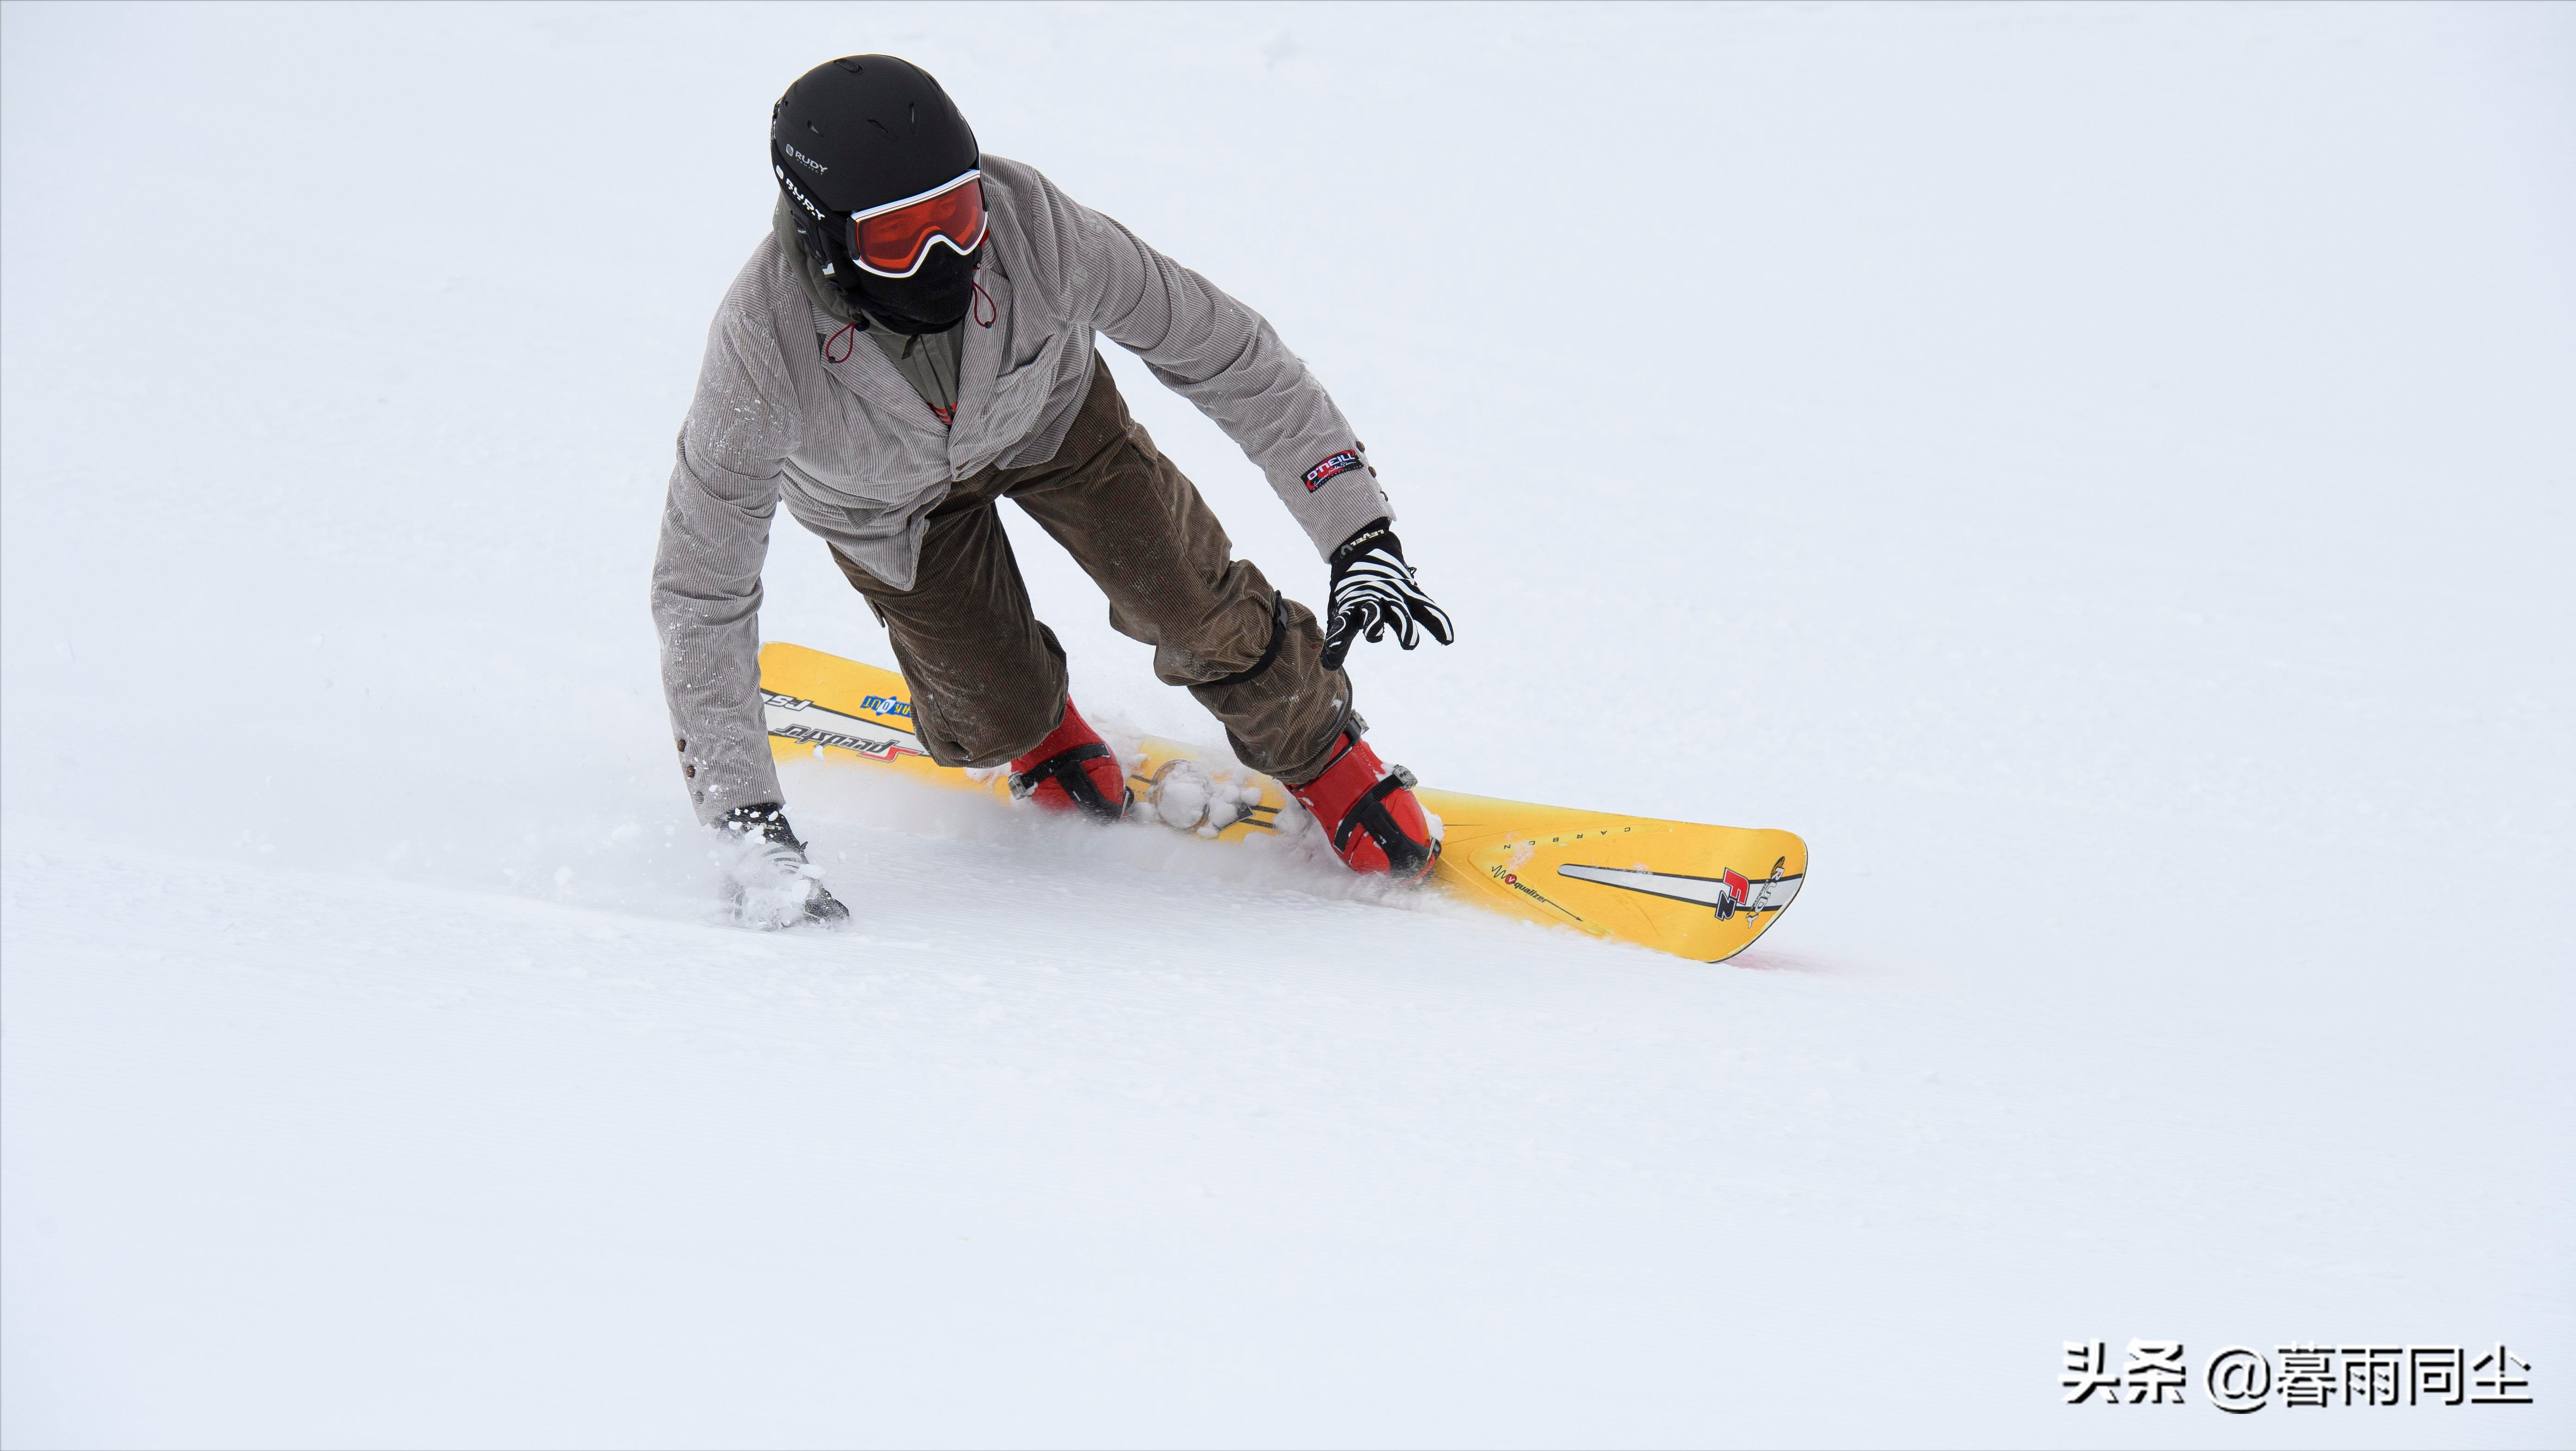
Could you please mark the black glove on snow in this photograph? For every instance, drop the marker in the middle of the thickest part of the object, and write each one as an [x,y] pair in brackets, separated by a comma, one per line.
[1374,591]
[767,877]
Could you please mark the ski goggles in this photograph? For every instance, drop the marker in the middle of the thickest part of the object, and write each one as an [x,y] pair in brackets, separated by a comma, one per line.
[894,239]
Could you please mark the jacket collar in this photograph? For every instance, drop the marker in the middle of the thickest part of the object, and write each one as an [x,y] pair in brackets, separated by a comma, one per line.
[840,335]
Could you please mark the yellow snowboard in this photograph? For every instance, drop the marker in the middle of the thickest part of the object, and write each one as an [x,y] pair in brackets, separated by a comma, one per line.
[1703,892]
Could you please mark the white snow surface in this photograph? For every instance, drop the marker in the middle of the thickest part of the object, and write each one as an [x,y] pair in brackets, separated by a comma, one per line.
[2102,475]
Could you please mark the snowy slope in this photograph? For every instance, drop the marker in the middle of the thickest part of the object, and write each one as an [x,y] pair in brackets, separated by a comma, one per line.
[2101,475]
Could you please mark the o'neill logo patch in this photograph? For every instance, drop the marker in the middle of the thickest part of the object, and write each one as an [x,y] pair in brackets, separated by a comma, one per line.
[1325,472]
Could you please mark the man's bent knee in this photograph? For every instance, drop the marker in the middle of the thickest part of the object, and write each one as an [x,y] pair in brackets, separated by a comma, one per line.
[968,713]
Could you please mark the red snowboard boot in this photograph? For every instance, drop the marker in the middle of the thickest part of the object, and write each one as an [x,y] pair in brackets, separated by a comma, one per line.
[1073,769]
[1368,809]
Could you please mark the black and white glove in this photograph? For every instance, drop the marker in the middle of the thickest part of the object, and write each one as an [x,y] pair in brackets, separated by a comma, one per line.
[767,878]
[1374,591]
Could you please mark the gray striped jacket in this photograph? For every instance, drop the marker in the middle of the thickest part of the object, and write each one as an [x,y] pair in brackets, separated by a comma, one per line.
[787,410]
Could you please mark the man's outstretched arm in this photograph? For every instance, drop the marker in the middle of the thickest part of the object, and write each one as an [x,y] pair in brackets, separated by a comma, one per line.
[1227,359]
[706,572]
[1213,350]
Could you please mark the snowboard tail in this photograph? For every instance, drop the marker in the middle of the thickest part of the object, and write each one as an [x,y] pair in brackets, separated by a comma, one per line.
[1702,892]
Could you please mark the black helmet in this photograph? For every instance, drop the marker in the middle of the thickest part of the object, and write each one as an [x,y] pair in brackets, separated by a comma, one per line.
[856,134]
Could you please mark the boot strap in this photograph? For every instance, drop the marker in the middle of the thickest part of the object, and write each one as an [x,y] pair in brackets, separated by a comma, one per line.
[1404,855]
[1065,769]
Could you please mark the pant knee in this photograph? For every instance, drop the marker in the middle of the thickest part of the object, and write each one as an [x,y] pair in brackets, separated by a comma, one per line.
[982,712]
[983,731]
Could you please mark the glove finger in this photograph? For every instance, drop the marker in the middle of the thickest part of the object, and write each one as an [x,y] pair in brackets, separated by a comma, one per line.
[1434,619]
[1338,643]
[1405,634]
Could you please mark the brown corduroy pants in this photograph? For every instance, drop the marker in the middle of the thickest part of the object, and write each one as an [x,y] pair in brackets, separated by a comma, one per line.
[988,680]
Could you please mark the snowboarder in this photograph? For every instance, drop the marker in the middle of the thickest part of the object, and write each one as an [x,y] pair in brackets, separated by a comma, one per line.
[912,343]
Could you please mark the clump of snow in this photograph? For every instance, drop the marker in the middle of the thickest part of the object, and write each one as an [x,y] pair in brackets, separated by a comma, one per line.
[767,885]
[1182,795]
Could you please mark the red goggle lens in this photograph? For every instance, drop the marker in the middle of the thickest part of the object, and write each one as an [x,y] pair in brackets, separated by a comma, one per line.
[892,242]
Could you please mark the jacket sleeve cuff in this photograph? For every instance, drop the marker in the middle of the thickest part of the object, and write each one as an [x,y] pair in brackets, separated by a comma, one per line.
[1334,494]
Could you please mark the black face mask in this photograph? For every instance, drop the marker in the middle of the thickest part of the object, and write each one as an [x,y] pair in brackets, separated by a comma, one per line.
[932,300]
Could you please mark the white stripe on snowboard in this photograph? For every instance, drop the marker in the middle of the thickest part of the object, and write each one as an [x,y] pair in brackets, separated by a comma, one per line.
[1767,896]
